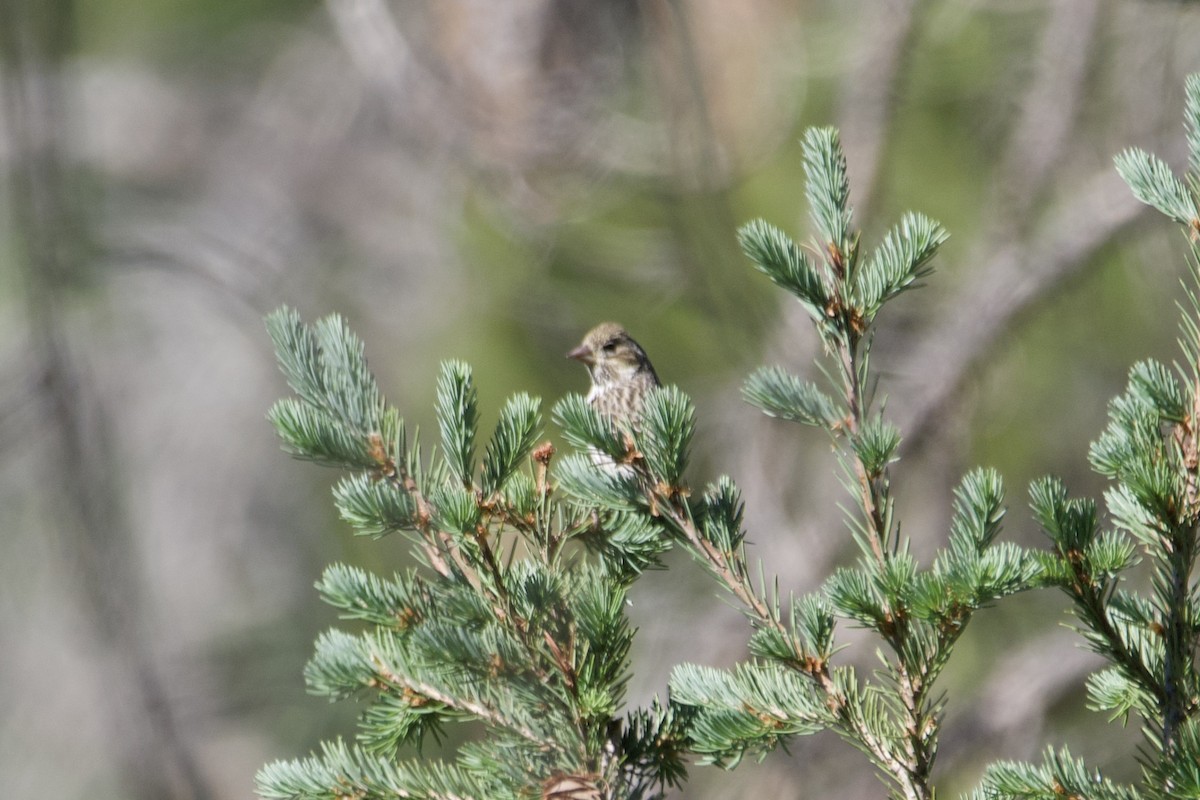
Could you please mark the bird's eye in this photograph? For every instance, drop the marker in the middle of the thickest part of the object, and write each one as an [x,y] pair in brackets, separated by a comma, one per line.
[609,347]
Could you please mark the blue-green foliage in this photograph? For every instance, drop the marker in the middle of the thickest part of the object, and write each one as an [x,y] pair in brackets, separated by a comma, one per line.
[507,624]
[720,515]
[828,186]
[784,262]
[585,428]
[1059,776]
[749,709]
[1153,182]
[780,394]
[373,507]
[1191,123]
[458,418]
[1149,453]
[899,261]
[337,401]
[917,613]
[668,422]
[515,434]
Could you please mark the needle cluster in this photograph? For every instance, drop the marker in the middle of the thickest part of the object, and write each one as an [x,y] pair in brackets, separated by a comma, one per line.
[794,685]
[1150,638]
[514,619]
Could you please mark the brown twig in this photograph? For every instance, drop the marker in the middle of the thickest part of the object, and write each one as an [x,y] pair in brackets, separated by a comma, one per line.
[728,568]
[869,494]
[920,723]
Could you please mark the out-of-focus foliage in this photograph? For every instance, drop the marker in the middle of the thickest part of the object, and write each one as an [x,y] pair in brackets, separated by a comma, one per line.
[485,181]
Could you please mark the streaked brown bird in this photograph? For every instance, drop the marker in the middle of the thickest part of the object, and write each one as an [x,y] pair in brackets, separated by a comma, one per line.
[621,374]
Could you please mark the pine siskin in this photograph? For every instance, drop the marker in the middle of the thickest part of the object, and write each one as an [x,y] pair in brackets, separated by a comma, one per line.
[621,374]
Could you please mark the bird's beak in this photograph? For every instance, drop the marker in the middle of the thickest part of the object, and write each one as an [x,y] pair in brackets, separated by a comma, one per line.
[583,354]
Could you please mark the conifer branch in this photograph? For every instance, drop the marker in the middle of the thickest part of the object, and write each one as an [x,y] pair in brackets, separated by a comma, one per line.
[919,615]
[1149,452]
[425,692]
[910,773]
[435,544]
[511,633]
[503,630]
[869,494]
[919,722]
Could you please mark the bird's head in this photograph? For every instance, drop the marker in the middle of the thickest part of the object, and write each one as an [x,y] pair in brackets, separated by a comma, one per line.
[611,355]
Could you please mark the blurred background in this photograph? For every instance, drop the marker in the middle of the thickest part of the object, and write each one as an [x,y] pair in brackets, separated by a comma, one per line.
[487,180]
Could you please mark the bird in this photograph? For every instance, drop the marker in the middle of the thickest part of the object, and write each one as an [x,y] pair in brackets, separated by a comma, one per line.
[621,374]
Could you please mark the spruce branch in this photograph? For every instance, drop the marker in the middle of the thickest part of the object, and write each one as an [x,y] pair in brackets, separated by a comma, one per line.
[1149,453]
[899,261]
[1060,776]
[1153,182]
[748,709]
[907,766]
[668,421]
[918,614]
[1072,527]
[781,394]
[1191,121]
[1156,498]
[777,256]
[420,692]
[516,432]
[457,407]
[502,629]
[585,428]
[396,603]
[828,192]
[340,772]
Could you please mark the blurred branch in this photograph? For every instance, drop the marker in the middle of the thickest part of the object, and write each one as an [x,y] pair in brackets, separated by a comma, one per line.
[373,40]
[991,306]
[867,98]
[1013,705]
[155,761]
[19,409]
[703,215]
[946,355]
[691,140]
[1048,116]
